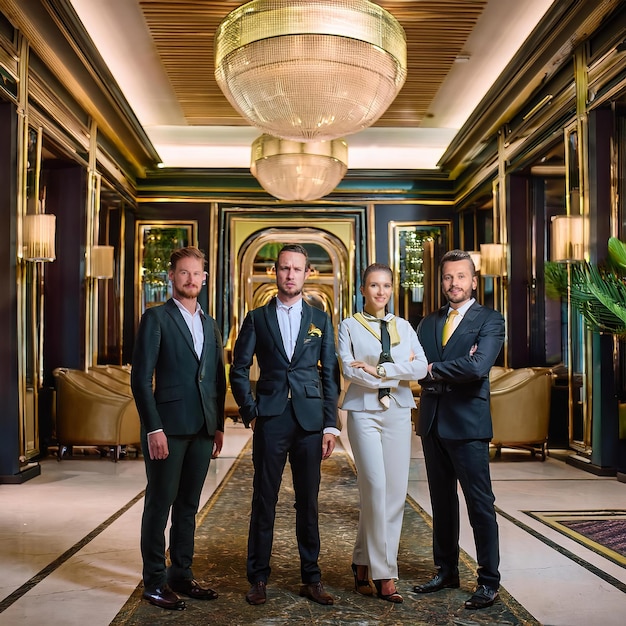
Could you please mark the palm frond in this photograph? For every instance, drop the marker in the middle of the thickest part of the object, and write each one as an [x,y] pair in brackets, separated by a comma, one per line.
[617,254]
[599,294]
[555,277]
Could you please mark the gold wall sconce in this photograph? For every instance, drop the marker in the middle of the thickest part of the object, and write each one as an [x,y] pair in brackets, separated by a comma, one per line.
[492,259]
[39,231]
[101,262]
[568,238]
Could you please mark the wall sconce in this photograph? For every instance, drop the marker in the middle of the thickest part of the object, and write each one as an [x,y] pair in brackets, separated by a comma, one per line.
[492,259]
[101,262]
[39,231]
[568,238]
[476,259]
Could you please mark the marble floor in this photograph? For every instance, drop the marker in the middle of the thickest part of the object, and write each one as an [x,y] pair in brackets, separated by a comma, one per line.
[70,553]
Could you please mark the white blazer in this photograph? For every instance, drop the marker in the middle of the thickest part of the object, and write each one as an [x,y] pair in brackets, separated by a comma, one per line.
[356,343]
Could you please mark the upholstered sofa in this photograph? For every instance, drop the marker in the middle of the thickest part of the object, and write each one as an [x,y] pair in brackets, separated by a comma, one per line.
[94,410]
[520,409]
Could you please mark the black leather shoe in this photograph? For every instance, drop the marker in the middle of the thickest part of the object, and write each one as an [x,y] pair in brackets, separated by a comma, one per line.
[164,597]
[193,589]
[437,583]
[257,594]
[317,593]
[483,597]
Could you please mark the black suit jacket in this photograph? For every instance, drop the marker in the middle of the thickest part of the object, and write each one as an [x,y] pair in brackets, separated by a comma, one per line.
[312,375]
[188,392]
[458,394]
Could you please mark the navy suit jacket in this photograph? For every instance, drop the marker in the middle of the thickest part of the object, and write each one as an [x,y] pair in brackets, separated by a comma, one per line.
[188,391]
[458,394]
[312,375]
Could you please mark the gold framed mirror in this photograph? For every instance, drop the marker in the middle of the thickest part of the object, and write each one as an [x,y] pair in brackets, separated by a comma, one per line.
[154,244]
[414,250]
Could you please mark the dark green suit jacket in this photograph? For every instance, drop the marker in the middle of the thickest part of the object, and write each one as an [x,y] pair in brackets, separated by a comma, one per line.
[188,392]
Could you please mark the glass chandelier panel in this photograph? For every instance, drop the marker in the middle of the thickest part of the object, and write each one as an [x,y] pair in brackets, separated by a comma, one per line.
[310,70]
[293,170]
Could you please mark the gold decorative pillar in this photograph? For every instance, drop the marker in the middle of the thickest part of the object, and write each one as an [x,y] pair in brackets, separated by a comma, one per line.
[91,240]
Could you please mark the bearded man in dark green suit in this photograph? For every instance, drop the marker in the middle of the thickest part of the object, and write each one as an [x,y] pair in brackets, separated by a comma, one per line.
[182,426]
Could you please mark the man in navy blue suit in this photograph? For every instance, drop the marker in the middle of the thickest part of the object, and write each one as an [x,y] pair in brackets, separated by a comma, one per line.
[293,414]
[462,341]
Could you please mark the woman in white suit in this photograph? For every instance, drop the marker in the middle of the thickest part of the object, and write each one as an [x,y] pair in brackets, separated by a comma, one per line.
[379,401]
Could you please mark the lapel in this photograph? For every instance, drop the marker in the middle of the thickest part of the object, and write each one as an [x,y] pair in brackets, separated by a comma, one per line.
[207,346]
[177,317]
[307,314]
[439,322]
[271,319]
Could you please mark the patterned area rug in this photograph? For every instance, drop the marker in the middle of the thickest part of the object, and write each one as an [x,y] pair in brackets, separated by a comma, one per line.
[603,532]
[221,555]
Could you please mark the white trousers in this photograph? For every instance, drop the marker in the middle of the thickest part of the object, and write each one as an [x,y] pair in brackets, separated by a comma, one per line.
[381,444]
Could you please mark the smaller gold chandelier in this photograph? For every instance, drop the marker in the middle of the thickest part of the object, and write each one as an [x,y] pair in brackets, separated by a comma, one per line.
[292,170]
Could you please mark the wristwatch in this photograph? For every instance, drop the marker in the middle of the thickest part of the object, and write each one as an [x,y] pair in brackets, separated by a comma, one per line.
[380,371]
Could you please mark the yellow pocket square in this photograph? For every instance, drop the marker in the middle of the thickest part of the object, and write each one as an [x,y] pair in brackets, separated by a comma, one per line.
[314,331]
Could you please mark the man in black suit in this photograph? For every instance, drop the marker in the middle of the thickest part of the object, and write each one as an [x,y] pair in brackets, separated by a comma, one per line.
[182,424]
[293,414]
[462,341]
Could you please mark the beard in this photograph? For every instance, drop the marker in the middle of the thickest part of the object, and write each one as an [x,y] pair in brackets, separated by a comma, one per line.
[188,291]
[290,292]
[458,296]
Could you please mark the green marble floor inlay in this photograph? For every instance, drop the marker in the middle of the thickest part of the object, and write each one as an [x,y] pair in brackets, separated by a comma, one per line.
[221,553]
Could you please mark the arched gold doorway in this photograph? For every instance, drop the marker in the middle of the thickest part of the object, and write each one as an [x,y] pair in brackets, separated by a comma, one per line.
[327,287]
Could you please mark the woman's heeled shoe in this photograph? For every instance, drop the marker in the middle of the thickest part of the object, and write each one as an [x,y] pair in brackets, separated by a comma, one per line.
[361,586]
[394,597]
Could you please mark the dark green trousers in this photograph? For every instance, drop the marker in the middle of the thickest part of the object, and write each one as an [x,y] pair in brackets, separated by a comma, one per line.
[174,484]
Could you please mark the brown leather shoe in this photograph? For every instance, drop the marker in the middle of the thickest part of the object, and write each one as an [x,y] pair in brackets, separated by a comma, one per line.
[192,588]
[164,597]
[317,593]
[257,594]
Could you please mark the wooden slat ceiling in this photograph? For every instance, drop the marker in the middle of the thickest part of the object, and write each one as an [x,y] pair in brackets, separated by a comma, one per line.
[183,32]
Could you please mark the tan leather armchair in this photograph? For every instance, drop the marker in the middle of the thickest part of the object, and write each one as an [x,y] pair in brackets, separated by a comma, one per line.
[94,412]
[520,409]
[121,373]
[116,381]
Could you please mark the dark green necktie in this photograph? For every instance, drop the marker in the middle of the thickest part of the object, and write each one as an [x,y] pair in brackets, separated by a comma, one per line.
[385,357]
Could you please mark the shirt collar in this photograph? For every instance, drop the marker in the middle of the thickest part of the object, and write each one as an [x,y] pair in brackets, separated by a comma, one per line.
[296,307]
[183,309]
[371,318]
[462,310]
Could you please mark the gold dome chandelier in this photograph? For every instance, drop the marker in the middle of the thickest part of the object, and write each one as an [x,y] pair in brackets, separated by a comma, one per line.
[298,171]
[310,70]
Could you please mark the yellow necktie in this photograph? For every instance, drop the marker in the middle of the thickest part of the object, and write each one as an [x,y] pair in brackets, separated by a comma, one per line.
[448,327]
